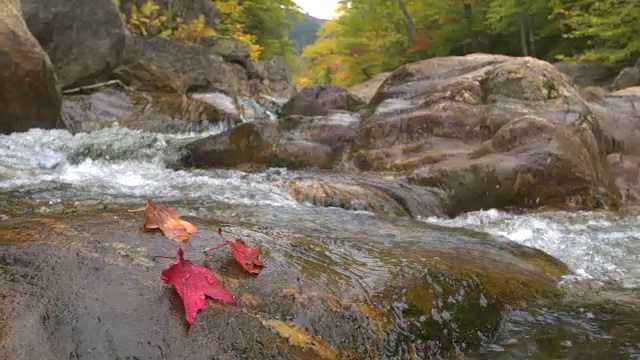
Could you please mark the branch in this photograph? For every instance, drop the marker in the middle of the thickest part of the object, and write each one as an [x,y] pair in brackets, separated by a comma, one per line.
[95,86]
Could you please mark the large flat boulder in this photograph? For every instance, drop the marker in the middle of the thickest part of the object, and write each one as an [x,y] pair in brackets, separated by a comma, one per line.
[84,39]
[85,286]
[29,92]
[491,131]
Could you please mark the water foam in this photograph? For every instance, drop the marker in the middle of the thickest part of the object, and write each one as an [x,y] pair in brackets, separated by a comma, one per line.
[121,163]
[595,245]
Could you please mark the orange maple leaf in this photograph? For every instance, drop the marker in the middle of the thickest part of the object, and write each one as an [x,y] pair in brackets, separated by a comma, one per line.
[168,221]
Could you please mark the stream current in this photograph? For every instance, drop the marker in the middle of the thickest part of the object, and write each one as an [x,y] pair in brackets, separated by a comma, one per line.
[121,168]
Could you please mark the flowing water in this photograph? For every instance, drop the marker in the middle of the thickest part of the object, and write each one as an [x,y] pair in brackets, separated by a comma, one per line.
[54,170]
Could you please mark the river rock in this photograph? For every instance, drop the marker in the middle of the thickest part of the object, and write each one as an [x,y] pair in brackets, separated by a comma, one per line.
[318,100]
[162,64]
[295,142]
[85,286]
[493,131]
[368,89]
[621,126]
[274,78]
[588,73]
[29,91]
[628,77]
[156,112]
[84,39]
[390,196]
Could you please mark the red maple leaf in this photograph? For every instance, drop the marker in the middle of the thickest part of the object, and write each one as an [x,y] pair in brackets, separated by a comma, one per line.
[246,256]
[193,282]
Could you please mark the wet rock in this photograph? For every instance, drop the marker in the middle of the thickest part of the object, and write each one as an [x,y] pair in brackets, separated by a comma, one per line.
[83,39]
[296,142]
[491,131]
[29,91]
[345,196]
[382,197]
[628,77]
[319,100]
[156,112]
[621,127]
[86,286]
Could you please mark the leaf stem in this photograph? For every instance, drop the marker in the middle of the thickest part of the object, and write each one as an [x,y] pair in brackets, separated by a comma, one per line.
[162,257]
[217,247]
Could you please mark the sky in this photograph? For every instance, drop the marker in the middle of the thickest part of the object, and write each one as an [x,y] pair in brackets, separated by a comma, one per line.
[322,9]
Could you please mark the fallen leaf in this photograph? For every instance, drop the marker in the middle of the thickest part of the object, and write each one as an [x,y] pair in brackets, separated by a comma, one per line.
[194,282]
[246,256]
[169,222]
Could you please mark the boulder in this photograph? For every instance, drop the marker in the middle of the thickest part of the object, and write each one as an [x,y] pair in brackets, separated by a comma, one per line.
[628,77]
[318,100]
[156,112]
[29,92]
[492,131]
[621,126]
[367,89]
[85,286]
[367,192]
[161,64]
[274,78]
[588,73]
[296,142]
[84,39]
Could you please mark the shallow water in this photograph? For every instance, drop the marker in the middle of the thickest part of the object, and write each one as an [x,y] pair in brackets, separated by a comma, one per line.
[595,245]
[118,167]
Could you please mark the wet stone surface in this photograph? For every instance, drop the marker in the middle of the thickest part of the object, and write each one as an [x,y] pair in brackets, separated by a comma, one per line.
[85,287]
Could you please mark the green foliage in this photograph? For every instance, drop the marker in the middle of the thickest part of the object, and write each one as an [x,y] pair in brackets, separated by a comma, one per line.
[611,28]
[372,36]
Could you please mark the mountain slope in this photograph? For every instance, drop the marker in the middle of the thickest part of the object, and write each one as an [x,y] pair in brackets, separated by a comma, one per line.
[303,33]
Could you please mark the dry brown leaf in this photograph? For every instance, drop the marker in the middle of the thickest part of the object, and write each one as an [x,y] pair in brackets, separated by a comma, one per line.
[168,221]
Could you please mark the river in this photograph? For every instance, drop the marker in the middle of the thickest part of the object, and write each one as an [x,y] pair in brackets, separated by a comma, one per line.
[118,167]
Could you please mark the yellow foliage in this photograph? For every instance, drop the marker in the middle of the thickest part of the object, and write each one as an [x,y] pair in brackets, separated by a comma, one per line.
[193,31]
[146,19]
[232,25]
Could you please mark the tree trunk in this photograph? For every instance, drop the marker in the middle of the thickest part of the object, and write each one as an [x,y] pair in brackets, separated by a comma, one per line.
[523,37]
[411,29]
[532,42]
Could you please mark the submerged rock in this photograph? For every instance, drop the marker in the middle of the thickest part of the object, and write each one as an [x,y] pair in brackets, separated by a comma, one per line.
[29,91]
[86,286]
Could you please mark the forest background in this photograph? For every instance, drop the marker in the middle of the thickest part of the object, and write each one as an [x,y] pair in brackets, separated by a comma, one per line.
[368,37]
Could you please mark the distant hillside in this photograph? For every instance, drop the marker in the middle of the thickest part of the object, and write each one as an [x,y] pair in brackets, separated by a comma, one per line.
[304,33]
